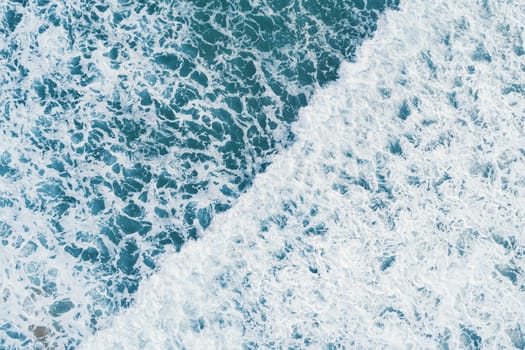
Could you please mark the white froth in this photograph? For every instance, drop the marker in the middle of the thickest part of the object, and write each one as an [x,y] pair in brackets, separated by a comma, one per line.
[372,231]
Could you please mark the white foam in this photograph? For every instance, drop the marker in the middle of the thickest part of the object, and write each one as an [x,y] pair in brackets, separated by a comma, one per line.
[440,209]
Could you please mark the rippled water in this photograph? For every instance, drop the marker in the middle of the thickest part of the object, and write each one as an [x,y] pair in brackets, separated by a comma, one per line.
[126,127]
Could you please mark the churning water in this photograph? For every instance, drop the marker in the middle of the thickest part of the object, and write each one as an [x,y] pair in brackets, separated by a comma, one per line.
[377,192]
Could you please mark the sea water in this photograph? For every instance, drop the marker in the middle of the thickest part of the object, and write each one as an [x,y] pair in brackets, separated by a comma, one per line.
[394,221]
[389,215]
[126,127]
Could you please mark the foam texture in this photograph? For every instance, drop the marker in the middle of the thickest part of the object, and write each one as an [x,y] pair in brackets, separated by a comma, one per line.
[394,221]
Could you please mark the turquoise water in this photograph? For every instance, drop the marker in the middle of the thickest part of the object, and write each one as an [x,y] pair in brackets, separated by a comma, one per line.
[126,127]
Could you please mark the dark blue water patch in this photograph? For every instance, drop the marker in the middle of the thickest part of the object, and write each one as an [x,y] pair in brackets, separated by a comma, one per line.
[516,88]
[128,257]
[198,325]
[149,153]
[404,111]
[395,148]
[97,205]
[517,337]
[443,339]
[427,57]
[512,273]
[387,262]
[317,230]
[470,339]
[481,54]
[509,243]
[392,311]
[11,20]
[60,307]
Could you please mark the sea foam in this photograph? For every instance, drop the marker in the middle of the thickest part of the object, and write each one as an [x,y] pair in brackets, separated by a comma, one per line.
[394,221]
[126,126]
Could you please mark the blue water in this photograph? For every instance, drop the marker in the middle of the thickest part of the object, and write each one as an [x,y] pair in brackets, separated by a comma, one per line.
[126,127]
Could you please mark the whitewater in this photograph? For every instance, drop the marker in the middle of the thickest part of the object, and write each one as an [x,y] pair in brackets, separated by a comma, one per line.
[389,213]
[395,220]
[127,126]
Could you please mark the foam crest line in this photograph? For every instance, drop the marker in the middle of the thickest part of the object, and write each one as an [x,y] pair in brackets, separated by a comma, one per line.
[394,221]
